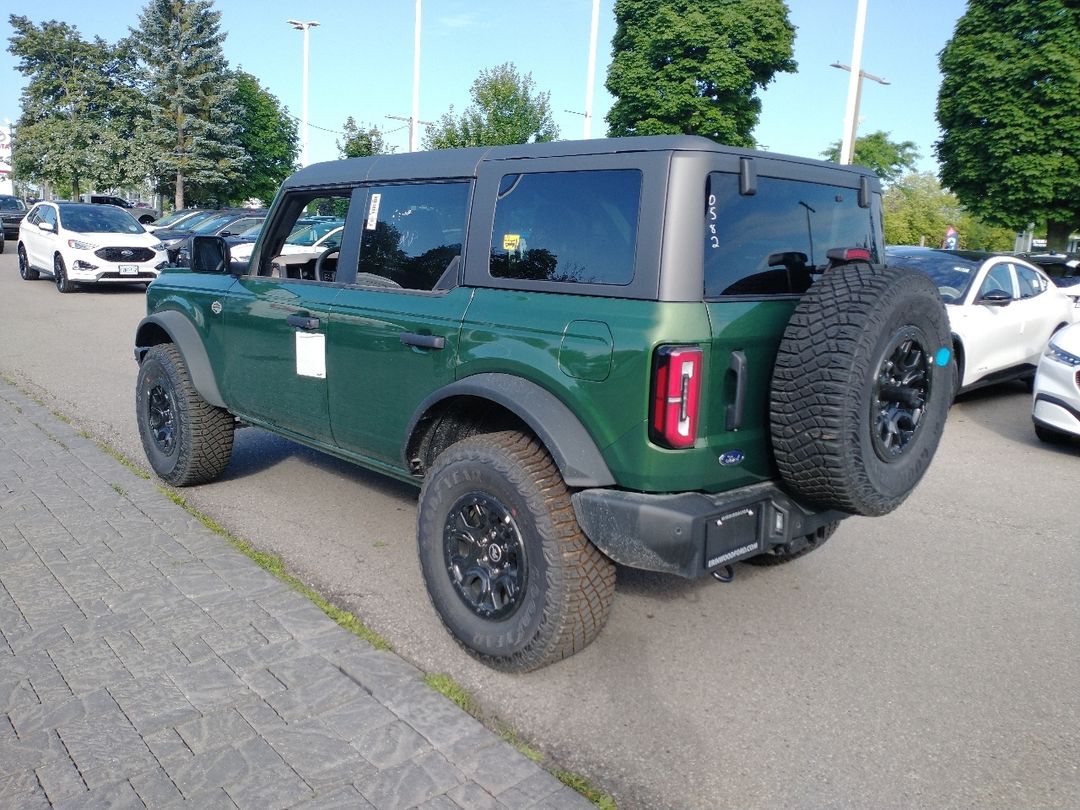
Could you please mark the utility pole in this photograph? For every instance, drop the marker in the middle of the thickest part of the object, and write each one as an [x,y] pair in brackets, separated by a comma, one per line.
[851,116]
[305,27]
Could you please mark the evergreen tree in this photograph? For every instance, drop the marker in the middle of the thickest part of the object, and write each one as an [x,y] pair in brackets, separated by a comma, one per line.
[695,68]
[506,109]
[361,142]
[190,93]
[268,135]
[1009,110]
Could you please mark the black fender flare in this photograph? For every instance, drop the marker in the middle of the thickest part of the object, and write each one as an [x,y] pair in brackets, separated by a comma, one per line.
[183,334]
[573,449]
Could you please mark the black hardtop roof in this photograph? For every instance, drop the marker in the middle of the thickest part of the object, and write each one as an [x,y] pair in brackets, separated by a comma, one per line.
[465,162]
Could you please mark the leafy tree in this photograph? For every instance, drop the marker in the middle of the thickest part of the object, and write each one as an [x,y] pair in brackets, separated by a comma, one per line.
[1009,107]
[888,159]
[80,110]
[361,142]
[268,135]
[695,67]
[918,211]
[506,109]
[190,93]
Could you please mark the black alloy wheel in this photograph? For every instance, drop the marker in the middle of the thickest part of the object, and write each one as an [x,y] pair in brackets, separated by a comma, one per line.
[161,418]
[900,393]
[63,283]
[485,556]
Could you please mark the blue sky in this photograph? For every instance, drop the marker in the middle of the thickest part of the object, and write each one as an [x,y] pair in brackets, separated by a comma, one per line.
[362,56]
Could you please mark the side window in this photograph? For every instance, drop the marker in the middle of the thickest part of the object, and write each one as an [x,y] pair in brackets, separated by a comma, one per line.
[290,250]
[1031,284]
[998,280]
[48,214]
[772,242]
[34,217]
[412,234]
[567,226]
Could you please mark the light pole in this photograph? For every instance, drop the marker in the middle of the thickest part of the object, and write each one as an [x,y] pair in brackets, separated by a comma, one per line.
[847,146]
[851,115]
[305,27]
[590,81]
[414,122]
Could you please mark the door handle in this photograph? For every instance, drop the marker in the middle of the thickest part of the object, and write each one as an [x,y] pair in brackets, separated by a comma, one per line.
[302,321]
[423,341]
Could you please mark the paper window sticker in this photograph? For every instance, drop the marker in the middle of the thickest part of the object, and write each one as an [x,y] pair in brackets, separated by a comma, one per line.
[511,241]
[311,354]
[373,212]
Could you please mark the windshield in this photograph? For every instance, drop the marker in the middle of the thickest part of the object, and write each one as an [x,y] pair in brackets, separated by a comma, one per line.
[98,219]
[209,226]
[310,234]
[174,217]
[251,233]
[11,204]
[951,273]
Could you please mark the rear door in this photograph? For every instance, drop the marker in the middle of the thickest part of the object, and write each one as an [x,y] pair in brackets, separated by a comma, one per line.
[394,330]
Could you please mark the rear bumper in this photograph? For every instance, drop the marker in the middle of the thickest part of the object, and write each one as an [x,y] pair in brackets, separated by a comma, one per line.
[690,534]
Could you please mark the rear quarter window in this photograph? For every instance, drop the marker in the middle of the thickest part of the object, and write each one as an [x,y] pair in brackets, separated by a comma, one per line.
[567,226]
[771,243]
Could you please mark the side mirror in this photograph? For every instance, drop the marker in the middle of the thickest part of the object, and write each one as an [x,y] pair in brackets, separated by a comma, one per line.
[45,226]
[209,254]
[995,298]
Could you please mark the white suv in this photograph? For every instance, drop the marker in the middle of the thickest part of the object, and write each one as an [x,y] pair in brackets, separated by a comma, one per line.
[79,243]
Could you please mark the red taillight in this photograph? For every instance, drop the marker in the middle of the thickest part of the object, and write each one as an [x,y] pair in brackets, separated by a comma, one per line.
[676,390]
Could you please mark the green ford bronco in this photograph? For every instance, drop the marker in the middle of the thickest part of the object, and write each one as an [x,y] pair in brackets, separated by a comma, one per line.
[658,352]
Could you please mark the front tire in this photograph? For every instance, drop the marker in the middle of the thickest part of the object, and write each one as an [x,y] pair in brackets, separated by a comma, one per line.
[25,270]
[508,569]
[60,276]
[186,439]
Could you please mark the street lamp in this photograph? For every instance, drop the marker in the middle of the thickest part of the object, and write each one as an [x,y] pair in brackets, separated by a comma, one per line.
[305,27]
[847,147]
[414,123]
[591,78]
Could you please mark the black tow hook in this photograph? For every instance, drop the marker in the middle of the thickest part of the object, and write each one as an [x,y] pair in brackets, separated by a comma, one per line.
[725,574]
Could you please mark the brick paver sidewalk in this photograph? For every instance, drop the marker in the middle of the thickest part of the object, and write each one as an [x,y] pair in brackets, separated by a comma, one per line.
[145,661]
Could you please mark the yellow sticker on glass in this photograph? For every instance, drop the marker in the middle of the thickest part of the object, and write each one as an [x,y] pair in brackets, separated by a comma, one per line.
[511,241]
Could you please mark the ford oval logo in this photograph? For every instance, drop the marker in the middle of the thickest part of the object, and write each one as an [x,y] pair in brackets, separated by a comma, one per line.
[732,457]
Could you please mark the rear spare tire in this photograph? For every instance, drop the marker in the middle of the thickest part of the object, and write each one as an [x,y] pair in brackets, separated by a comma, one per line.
[861,388]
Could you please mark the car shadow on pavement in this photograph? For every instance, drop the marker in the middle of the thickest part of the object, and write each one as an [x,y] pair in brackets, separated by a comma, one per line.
[257,450]
[1006,410]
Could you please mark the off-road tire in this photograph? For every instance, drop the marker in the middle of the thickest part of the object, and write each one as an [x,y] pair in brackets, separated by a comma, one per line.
[27,272]
[861,388]
[187,440]
[566,584]
[60,276]
[800,547]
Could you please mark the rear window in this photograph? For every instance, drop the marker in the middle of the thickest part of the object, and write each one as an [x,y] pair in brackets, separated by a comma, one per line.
[771,243]
[567,226]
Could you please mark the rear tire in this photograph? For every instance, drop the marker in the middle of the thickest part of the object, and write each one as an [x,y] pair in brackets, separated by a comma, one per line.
[861,388]
[507,567]
[25,270]
[800,547]
[187,440]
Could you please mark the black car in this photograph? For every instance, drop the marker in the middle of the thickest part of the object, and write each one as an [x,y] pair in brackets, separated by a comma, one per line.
[1063,268]
[12,210]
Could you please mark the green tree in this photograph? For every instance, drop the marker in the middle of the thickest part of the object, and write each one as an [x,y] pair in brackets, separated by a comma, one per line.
[1009,110]
[268,135]
[506,109]
[695,68]
[190,94]
[888,159]
[918,211]
[361,142]
[80,111]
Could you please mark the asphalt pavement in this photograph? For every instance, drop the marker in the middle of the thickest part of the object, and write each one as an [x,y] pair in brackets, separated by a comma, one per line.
[146,662]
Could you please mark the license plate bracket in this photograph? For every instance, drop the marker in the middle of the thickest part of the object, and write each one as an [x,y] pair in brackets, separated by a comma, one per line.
[733,535]
[129,269]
